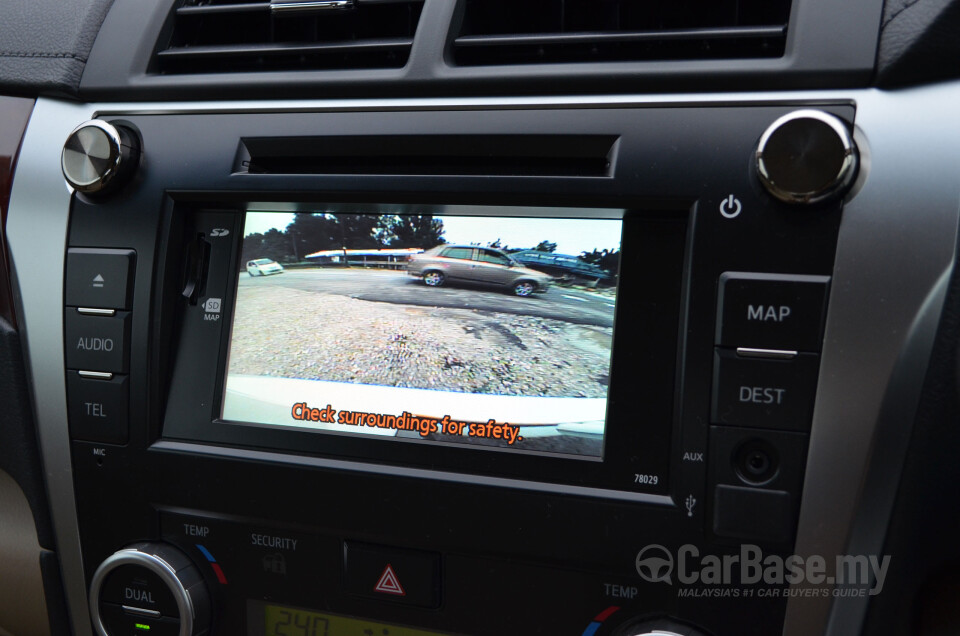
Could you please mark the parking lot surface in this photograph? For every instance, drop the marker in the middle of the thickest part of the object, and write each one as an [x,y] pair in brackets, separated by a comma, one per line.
[390,286]
[378,327]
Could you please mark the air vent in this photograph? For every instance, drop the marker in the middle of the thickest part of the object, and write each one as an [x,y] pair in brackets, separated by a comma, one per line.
[555,31]
[223,36]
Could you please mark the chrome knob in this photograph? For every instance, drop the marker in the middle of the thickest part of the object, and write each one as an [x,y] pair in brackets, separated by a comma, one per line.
[806,157]
[98,157]
[149,586]
[658,627]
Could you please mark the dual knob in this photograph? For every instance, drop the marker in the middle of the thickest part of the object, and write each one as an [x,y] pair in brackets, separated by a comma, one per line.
[149,588]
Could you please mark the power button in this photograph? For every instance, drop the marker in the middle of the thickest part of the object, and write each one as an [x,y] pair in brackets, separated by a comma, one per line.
[731,207]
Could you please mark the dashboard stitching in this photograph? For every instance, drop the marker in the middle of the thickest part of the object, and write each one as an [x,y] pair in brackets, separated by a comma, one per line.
[29,54]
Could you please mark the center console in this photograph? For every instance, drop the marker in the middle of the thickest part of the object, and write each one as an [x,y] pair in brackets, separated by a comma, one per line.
[461,370]
[323,379]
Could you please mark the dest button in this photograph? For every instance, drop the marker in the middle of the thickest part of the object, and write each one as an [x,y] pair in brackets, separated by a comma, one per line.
[388,574]
[764,393]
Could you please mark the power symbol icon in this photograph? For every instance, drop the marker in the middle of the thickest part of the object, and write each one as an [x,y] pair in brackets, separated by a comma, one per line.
[731,207]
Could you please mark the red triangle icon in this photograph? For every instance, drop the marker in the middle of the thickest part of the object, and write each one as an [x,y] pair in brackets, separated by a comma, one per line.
[388,583]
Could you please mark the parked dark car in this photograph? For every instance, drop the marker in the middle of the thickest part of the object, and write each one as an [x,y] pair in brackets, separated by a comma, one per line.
[563,266]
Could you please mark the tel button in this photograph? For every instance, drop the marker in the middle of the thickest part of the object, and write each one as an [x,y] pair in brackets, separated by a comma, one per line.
[771,311]
[97,343]
[98,408]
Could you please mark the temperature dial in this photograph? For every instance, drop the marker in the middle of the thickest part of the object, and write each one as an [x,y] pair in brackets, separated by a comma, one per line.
[149,588]
[659,627]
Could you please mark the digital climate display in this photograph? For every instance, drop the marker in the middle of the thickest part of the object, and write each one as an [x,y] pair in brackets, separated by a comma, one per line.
[437,324]
[276,620]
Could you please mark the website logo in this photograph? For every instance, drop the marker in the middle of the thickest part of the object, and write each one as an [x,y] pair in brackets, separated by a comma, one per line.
[655,564]
[749,570]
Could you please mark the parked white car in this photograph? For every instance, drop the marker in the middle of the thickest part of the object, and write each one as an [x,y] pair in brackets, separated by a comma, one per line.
[264,267]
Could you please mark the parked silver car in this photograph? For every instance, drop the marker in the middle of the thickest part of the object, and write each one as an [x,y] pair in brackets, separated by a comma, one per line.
[264,267]
[484,265]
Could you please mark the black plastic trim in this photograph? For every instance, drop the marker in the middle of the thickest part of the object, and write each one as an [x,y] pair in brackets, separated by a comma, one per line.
[622,36]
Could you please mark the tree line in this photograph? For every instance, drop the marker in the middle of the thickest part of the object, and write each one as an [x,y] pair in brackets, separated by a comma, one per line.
[310,233]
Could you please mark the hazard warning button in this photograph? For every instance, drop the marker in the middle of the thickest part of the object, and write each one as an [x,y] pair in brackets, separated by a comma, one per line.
[391,574]
[388,583]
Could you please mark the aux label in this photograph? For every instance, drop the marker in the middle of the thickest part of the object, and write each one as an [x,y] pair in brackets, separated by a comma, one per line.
[95,344]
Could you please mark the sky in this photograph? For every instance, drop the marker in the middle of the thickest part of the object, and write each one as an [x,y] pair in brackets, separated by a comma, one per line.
[572,236]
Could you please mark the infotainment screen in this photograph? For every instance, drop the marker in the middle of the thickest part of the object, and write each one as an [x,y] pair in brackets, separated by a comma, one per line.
[435,324]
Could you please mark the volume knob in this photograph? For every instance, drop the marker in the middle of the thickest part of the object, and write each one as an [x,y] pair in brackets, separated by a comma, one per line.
[807,156]
[98,157]
[149,586]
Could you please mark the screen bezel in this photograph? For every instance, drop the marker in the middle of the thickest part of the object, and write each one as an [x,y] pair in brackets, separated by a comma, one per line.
[635,458]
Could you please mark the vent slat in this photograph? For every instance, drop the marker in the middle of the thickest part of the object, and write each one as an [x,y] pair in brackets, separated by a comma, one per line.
[398,44]
[223,36]
[622,36]
[570,31]
[208,9]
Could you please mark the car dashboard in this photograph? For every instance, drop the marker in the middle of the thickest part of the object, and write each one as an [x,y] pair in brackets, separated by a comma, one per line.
[424,317]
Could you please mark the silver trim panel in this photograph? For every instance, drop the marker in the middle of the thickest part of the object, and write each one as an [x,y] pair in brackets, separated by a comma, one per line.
[892,257]
[37,236]
[896,244]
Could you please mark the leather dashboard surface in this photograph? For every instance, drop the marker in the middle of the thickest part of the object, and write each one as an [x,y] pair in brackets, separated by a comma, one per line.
[44,44]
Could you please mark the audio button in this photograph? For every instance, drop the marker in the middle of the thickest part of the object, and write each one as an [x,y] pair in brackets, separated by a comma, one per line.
[96,343]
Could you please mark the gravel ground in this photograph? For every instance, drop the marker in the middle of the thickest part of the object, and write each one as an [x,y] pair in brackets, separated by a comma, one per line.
[288,333]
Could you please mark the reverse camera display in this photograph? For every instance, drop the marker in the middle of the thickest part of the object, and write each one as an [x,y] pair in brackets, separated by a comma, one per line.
[435,324]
